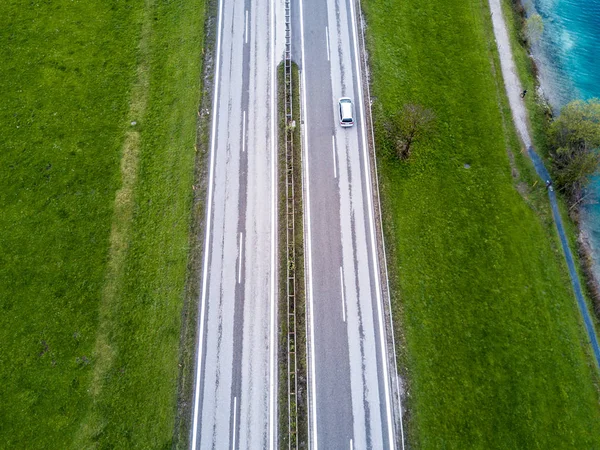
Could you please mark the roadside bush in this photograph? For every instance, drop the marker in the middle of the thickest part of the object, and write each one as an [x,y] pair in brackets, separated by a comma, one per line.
[574,139]
[408,126]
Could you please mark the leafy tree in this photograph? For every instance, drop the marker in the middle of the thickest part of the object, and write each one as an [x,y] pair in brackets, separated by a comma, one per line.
[575,144]
[534,27]
[408,126]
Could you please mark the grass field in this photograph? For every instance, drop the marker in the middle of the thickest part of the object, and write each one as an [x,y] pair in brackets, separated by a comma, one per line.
[95,218]
[490,337]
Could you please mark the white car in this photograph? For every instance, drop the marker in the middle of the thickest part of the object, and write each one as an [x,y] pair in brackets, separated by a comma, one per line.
[346,115]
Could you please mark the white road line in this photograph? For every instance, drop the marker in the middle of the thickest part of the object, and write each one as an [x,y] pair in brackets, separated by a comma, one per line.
[343,298]
[351,445]
[244,132]
[333,151]
[273,340]
[327,41]
[207,236]
[373,244]
[240,257]
[387,277]
[246,29]
[234,422]
[312,393]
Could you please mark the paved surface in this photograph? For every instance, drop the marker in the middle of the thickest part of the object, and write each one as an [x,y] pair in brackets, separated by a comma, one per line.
[350,401]
[519,112]
[235,390]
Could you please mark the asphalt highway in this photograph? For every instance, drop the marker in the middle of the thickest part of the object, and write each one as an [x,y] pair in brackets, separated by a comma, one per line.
[350,404]
[350,399]
[235,382]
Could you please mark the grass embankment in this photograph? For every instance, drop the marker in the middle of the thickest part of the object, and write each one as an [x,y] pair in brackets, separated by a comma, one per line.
[95,218]
[298,264]
[491,338]
[540,115]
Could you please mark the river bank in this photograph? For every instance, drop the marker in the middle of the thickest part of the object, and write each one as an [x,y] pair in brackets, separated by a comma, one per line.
[565,68]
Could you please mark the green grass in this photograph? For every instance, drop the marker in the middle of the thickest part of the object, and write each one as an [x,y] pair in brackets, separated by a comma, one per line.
[540,118]
[92,289]
[491,341]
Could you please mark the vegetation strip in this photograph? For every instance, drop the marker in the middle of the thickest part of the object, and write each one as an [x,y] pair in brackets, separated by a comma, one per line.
[120,234]
[287,441]
[189,337]
[489,335]
[290,224]
[99,124]
[138,403]
[63,121]
[396,382]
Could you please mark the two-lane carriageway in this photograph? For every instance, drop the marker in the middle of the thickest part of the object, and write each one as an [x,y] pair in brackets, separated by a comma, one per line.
[351,404]
[235,401]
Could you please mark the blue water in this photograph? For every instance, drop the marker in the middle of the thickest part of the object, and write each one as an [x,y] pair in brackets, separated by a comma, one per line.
[569,49]
[568,58]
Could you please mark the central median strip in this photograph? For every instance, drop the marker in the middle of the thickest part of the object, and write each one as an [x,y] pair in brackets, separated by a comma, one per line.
[293,428]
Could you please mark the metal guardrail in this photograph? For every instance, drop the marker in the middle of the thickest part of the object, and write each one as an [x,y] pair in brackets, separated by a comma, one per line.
[292,375]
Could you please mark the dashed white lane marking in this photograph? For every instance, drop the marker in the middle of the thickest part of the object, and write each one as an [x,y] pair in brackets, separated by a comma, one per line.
[351,445]
[343,301]
[246,29]
[234,422]
[240,257]
[333,151]
[327,41]
[244,132]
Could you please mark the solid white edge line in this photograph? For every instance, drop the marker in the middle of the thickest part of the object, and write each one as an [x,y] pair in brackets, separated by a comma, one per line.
[334,163]
[343,297]
[244,132]
[240,257]
[273,341]
[384,354]
[234,422]
[207,236]
[246,29]
[312,391]
[387,277]
[327,41]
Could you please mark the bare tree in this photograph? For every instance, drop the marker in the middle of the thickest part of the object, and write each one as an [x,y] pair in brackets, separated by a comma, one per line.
[408,126]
